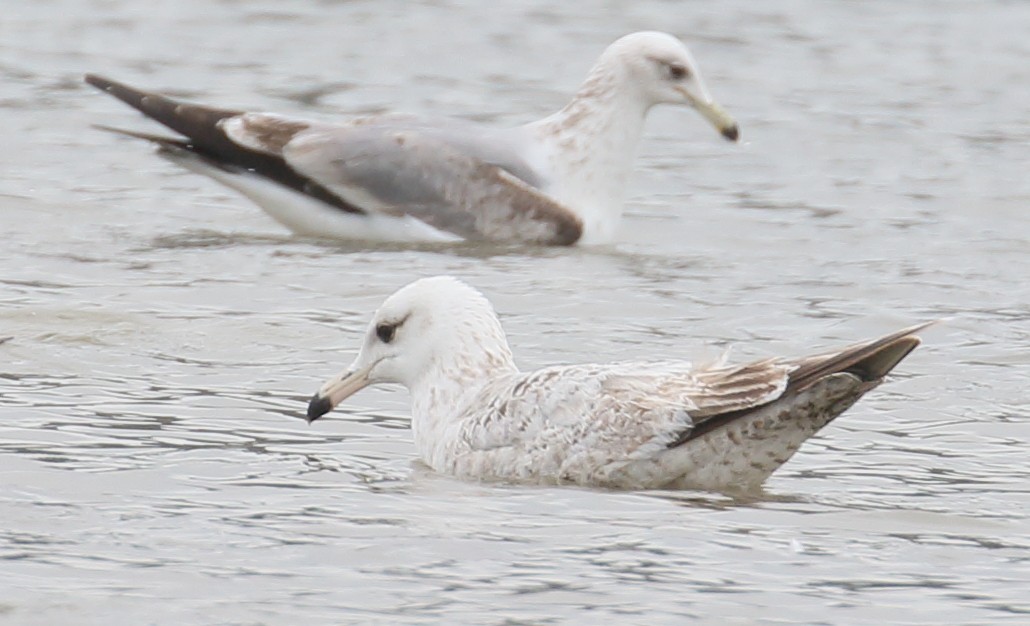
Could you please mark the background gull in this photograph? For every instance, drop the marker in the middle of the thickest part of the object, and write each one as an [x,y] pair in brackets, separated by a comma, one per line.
[559,180]
[634,425]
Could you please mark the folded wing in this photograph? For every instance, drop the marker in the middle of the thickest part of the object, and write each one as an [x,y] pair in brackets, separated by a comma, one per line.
[464,185]
[410,172]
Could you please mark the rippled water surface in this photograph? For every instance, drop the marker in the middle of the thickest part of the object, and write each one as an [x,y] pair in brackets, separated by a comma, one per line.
[164,334]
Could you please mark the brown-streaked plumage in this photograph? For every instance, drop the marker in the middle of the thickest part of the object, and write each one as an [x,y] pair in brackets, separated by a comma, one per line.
[631,425]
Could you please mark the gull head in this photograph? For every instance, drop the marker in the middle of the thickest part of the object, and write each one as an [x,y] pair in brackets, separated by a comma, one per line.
[664,72]
[433,329]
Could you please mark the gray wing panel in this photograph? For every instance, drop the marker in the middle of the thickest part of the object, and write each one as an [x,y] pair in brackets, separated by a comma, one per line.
[412,172]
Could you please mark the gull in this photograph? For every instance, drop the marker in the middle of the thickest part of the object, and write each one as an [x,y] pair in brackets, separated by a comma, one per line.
[557,181]
[629,425]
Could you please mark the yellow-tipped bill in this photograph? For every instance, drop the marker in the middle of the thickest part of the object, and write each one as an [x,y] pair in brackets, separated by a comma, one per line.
[714,113]
[719,118]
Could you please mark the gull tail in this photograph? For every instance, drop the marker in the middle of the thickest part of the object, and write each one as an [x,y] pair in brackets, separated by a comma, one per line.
[173,144]
[214,150]
[739,449]
[869,361]
[199,123]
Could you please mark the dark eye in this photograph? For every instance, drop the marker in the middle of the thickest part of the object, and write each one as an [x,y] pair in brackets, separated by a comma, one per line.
[677,71]
[385,332]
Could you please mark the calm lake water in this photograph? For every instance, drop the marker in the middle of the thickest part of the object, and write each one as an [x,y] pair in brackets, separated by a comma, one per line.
[165,334]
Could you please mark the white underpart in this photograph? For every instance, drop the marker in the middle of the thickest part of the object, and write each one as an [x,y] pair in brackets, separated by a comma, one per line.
[310,217]
[591,144]
[590,163]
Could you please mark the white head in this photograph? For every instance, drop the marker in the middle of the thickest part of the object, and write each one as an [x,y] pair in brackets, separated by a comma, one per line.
[664,72]
[432,327]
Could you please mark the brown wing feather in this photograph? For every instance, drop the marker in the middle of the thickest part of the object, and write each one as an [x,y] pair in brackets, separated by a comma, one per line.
[869,361]
[739,387]
[524,203]
[263,132]
[413,173]
[726,393]
[199,123]
[202,126]
[482,201]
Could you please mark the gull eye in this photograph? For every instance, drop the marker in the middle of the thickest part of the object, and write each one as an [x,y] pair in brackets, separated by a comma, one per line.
[385,332]
[677,71]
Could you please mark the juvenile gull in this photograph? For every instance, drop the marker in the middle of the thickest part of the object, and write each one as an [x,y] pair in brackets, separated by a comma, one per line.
[632,425]
[559,180]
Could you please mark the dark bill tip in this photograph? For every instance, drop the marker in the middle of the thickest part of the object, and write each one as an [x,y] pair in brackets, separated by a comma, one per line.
[731,132]
[318,406]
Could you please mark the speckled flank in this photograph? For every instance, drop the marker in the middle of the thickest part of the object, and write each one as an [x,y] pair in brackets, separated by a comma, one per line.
[744,453]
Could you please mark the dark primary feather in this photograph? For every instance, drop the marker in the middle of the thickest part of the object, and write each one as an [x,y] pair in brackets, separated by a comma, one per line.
[869,362]
[450,183]
[201,125]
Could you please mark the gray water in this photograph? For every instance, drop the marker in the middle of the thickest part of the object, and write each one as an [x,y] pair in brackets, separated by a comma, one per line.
[165,334]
